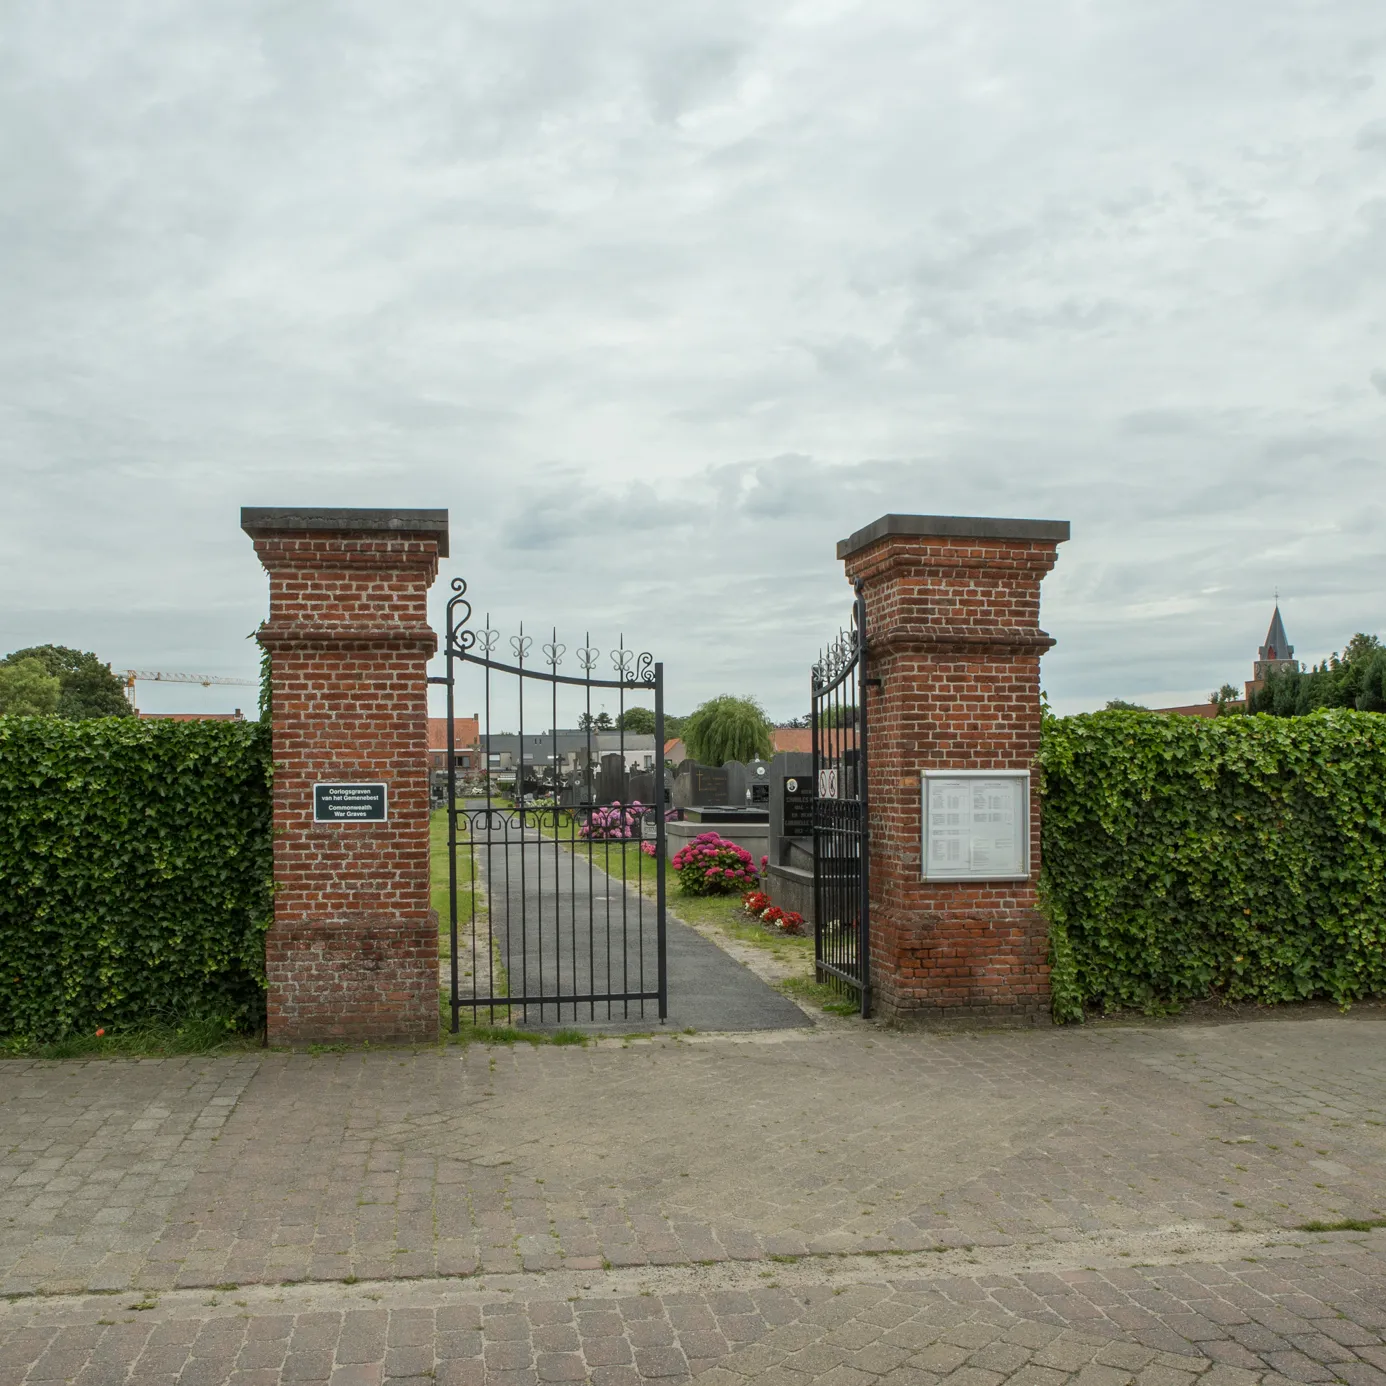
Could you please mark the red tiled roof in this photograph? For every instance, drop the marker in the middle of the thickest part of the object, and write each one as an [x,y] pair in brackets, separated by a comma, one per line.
[191,717]
[466,732]
[794,738]
[1197,709]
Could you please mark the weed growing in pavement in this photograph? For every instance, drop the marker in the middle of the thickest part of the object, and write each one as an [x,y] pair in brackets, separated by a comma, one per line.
[1342,1225]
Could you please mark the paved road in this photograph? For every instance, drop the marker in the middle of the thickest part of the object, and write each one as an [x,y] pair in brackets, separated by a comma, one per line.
[1098,1206]
[564,927]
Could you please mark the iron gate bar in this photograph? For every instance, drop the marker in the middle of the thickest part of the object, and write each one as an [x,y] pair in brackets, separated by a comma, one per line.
[545,986]
[841,838]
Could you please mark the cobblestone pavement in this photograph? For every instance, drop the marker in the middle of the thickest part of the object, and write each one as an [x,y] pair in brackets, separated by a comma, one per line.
[1297,1314]
[690,1205]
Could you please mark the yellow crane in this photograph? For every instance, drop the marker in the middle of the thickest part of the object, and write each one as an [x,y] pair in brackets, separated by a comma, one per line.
[163,676]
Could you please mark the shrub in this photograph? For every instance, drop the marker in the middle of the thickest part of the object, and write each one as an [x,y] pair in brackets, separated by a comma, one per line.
[614,823]
[710,865]
[1243,857]
[137,864]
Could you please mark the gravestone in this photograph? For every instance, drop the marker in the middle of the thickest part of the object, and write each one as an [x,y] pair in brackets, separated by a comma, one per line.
[696,785]
[789,878]
[748,785]
[798,805]
[611,779]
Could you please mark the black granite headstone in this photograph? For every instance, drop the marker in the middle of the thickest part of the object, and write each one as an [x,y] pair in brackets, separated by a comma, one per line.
[798,806]
[709,785]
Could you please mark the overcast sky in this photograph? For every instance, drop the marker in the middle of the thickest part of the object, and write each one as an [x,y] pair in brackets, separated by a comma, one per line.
[661,300]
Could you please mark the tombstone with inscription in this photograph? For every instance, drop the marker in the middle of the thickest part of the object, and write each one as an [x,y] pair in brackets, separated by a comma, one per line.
[696,785]
[748,785]
[792,792]
[758,785]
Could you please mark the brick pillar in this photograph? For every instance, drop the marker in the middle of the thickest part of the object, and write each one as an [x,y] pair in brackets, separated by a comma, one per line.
[952,614]
[353,951]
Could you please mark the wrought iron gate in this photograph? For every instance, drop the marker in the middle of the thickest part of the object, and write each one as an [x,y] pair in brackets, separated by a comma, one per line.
[841,855]
[556,905]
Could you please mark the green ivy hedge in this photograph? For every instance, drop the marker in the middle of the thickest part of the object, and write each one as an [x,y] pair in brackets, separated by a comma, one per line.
[1243,857]
[135,873]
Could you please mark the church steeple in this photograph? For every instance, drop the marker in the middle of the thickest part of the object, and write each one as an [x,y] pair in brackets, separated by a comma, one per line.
[1277,646]
[1277,654]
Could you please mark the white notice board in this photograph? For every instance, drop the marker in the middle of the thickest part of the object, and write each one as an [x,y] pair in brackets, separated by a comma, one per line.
[976,825]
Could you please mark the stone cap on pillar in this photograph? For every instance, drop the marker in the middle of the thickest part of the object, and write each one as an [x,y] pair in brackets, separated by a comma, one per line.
[954,527]
[259,520]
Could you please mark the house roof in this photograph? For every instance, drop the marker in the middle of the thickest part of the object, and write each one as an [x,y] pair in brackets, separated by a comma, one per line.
[192,716]
[466,732]
[794,738]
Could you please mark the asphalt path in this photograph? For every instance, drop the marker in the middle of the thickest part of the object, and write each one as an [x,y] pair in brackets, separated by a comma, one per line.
[564,927]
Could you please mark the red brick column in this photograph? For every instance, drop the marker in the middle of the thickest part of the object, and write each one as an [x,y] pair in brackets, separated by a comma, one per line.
[353,951]
[952,614]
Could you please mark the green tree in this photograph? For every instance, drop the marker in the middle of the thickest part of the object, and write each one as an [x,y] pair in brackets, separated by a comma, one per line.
[1224,698]
[639,721]
[1121,705]
[728,728]
[1356,678]
[89,688]
[836,715]
[596,721]
[27,689]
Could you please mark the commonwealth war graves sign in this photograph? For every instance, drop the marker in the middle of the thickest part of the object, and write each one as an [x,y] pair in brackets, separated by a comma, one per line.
[350,803]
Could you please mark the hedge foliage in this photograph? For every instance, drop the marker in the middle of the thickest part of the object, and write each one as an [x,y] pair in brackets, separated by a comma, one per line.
[135,873]
[1242,856]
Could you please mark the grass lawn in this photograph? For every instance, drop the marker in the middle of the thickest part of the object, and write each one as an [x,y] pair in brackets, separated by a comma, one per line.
[438,875]
[153,1041]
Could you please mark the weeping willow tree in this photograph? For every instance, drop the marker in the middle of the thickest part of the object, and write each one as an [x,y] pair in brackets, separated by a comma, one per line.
[728,728]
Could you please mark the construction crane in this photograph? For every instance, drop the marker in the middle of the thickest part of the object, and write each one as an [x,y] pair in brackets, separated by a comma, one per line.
[163,676]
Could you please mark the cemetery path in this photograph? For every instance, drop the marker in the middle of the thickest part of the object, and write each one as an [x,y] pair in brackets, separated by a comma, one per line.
[564,925]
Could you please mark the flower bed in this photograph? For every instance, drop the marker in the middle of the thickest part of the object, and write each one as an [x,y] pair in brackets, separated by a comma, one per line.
[759,906]
[614,824]
[710,865]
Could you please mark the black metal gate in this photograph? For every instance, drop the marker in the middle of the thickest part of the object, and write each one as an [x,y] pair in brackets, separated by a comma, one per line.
[556,859]
[841,855]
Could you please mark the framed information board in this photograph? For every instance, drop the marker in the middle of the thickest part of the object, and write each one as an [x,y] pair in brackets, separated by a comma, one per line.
[349,803]
[976,825]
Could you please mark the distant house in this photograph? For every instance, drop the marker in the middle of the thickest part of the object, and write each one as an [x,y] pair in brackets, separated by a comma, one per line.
[786,739]
[237,716]
[639,751]
[466,736]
